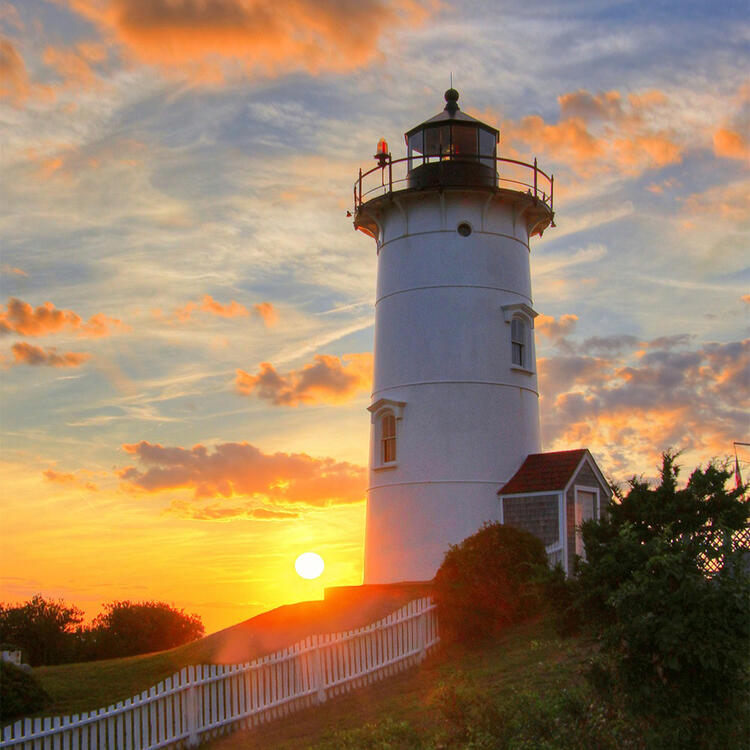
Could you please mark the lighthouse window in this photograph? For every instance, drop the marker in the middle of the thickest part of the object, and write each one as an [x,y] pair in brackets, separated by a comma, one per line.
[518,342]
[388,437]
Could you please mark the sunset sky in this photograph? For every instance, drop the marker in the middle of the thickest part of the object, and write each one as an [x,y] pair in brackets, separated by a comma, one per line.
[187,312]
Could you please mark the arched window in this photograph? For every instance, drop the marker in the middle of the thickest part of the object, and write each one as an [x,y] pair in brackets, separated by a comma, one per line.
[518,338]
[388,437]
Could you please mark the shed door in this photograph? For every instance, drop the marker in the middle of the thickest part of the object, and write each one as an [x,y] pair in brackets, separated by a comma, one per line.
[585,507]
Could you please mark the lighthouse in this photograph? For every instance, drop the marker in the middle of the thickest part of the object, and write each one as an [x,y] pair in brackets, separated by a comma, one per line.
[454,410]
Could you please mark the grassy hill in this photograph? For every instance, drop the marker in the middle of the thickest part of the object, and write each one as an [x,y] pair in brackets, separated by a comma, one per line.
[529,657]
[89,685]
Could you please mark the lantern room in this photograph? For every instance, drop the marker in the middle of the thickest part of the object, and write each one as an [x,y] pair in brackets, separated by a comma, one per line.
[457,152]
[452,148]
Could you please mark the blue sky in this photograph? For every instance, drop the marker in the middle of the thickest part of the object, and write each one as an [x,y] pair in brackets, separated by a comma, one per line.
[162,161]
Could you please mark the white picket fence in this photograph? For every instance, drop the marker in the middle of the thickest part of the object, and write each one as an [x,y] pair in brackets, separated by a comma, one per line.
[206,700]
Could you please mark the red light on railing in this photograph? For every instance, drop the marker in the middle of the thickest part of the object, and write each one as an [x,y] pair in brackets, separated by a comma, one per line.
[381,152]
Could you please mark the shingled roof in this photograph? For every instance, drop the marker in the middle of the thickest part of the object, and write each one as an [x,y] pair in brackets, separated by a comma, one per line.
[543,472]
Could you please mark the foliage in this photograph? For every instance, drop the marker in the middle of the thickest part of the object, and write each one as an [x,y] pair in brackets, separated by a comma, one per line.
[561,716]
[470,718]
[491,579]
[50,632]
[561,599]
[20,693]
[42,628]
[675,641]
[385,735]
[126,628]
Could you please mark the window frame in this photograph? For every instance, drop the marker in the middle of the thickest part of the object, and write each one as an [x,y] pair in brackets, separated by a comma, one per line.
[525,315]
[379,411]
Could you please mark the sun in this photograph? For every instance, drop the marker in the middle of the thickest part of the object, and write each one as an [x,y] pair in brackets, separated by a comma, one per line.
[309,565]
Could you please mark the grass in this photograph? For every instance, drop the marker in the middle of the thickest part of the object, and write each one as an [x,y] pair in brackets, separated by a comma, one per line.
[90,685]
[528,657]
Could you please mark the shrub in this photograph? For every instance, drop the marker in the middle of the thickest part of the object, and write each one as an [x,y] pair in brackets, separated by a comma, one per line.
[491,579]
[676,641]
[20,693]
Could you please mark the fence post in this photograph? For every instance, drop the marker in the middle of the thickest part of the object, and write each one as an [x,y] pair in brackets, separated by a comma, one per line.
[422,631]
[318,670]
[535,195]
[191,705]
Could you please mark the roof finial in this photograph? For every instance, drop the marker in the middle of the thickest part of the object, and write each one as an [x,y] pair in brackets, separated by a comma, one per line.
[451,98]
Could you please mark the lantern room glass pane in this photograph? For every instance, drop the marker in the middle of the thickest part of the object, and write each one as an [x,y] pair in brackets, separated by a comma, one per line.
[487,148]
[416,148]
[464,142]
[437,141]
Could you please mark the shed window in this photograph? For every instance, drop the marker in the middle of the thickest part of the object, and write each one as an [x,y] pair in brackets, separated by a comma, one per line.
[388,437]
[518,337]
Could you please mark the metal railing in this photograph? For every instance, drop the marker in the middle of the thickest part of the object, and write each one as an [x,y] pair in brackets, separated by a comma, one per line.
[393,176]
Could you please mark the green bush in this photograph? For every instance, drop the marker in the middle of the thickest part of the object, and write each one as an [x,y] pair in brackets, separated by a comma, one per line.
[490,580]
[675,640]
[20,693]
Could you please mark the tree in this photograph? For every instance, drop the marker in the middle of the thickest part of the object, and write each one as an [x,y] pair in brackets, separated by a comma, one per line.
[676,638]
[42,628]
[126,628]
[489,580]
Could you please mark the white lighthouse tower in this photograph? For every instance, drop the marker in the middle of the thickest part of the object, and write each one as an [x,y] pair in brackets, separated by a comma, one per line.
[455,403]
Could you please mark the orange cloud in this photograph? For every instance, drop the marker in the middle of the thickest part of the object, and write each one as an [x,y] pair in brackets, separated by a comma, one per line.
[204,40]
[26,354]
[5,268]
[327,379]
[634,404]
[267,313]
[10,16]
[70,162]
[14,80]
[731,145]
[73,65]
[242,469]
[20,317]
[220,512]
[599,133]
[554,328]
[59,477]
[212,307]
[729,202]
